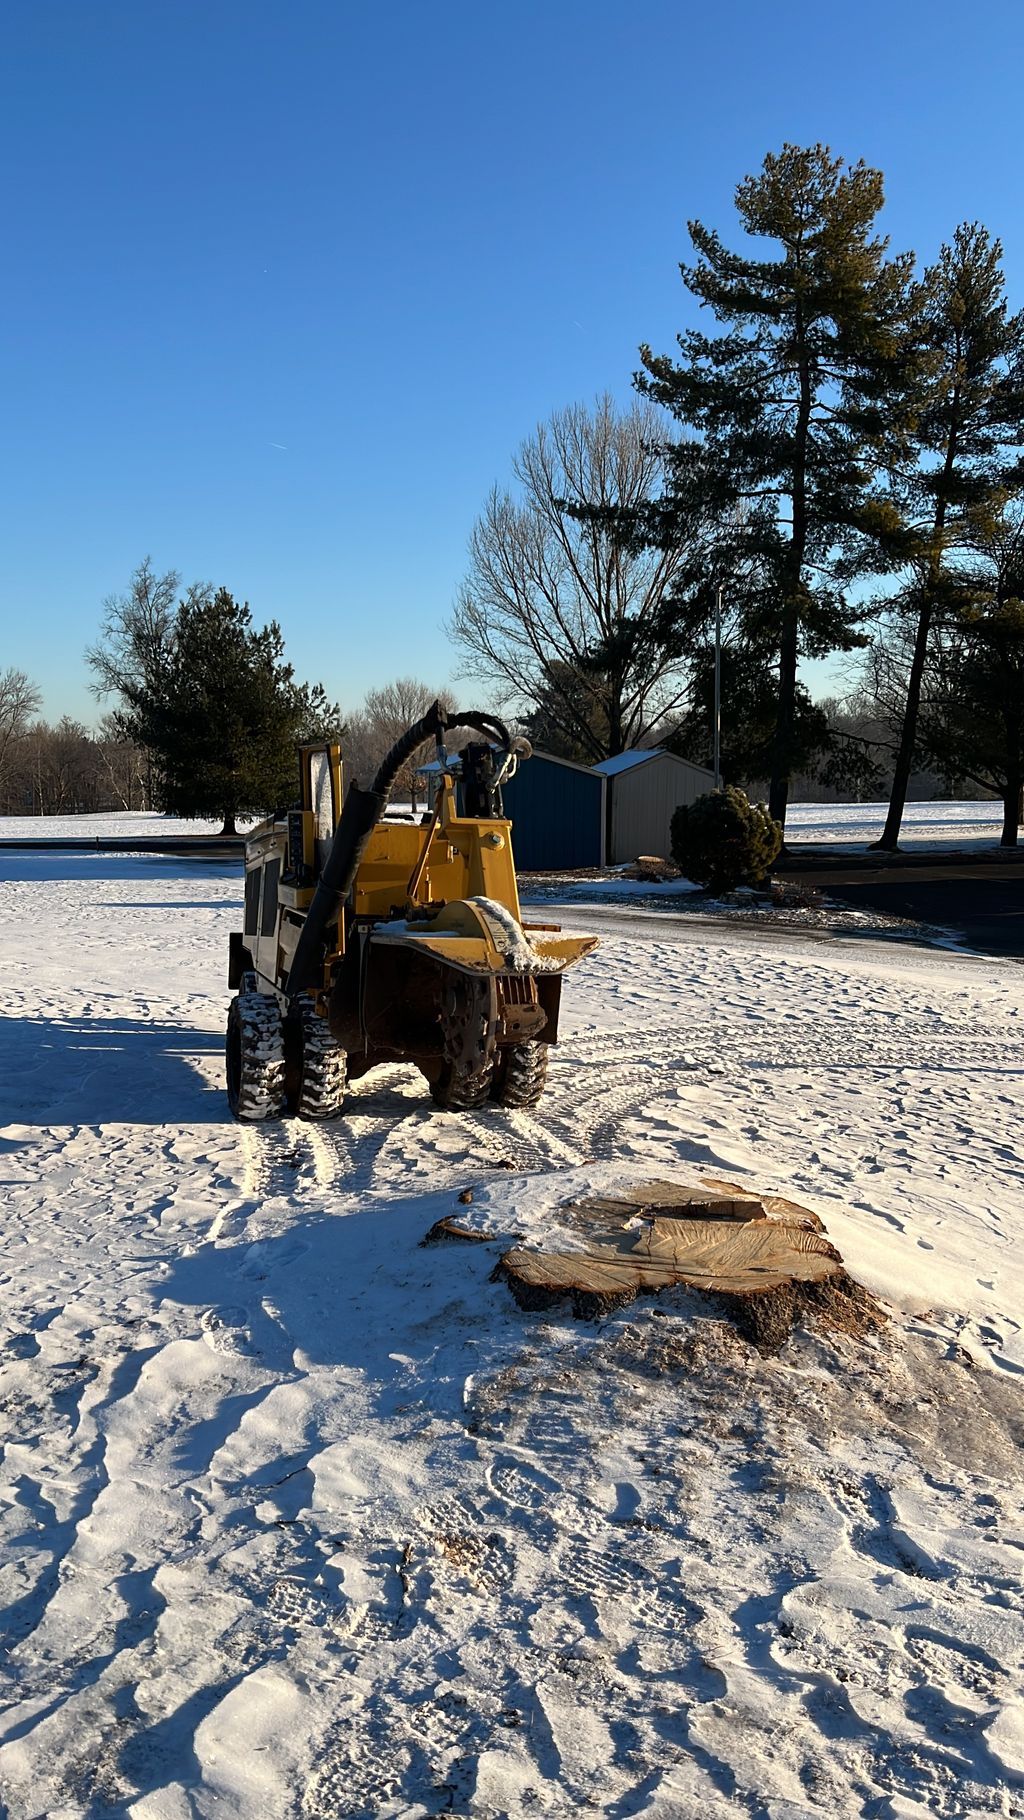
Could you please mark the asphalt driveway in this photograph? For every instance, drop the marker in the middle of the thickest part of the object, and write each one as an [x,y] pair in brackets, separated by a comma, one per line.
[980,896]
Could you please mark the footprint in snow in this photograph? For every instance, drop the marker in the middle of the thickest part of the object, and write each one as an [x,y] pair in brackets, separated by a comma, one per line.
[228,1315]
[225,1329]
[480,1563]
[295,1603]
[21,1346]
[517,1482]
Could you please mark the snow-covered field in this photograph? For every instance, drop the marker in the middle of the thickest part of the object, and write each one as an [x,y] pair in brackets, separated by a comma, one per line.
[300,1519]
[940,824]
[101,827]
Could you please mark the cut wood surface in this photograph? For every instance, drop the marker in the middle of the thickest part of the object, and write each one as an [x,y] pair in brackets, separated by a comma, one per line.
[774,1205]
[668,1202]
[721,1256]
[709,1197]
[765,1258]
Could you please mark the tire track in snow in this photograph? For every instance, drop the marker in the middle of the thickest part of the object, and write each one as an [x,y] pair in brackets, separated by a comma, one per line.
[599,1082]
[308,1564]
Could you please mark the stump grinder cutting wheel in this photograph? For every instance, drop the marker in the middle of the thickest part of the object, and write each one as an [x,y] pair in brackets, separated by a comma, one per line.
[369,941]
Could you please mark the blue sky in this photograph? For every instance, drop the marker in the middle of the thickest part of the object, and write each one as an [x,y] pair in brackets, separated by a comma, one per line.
[284,286]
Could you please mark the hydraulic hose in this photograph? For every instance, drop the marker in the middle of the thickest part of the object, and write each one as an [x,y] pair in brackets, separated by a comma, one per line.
[487,724]
[360,815]
[362,811]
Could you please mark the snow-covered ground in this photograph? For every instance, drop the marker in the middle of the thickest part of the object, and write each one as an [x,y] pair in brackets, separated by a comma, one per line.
[116,825]
[951,825]
[941,824]
[300,1519]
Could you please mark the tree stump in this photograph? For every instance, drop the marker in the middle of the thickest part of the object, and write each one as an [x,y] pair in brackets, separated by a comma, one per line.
[448,1232]
[764,1260]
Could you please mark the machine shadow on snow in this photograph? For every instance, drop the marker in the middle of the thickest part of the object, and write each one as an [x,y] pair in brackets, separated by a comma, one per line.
[326,1284]
[98,1071]
[22,867]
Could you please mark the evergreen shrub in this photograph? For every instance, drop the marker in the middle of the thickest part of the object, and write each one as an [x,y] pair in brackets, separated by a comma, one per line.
[724,840]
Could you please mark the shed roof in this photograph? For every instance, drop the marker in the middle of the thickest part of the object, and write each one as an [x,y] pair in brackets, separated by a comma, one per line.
[571,764]
[628,761]
[624,761]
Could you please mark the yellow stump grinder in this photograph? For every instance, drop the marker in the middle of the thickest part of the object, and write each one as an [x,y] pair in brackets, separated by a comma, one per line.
[369,940]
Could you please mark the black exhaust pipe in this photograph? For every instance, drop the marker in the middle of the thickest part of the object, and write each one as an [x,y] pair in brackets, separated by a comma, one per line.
[360,815]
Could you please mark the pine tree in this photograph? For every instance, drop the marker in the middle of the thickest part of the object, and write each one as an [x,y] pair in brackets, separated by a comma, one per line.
[969,431]
[724,840]
[749,688]
[547,725]
[223,724]
[797,403]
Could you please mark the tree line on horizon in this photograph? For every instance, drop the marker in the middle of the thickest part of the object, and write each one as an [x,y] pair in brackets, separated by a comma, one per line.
[206,720]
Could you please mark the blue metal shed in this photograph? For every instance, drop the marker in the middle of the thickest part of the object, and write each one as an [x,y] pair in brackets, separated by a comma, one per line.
[557,811]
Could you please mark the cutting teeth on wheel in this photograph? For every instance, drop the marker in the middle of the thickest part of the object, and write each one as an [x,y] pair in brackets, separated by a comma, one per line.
[464,1080]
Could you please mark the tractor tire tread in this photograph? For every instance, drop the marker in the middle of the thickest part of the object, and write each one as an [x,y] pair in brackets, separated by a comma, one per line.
[463,1089]
[256,1089]
[324,1068]
[521,1075]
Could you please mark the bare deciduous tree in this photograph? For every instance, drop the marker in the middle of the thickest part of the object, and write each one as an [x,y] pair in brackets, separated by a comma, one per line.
[124,765]
[383,718]
[136,642]
[19,700]
[55,769]
[557,613]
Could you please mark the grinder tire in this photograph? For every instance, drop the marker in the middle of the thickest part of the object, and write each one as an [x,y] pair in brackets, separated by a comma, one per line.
[317,1065]
[254,1054]
[462,1088]
[520,1074]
